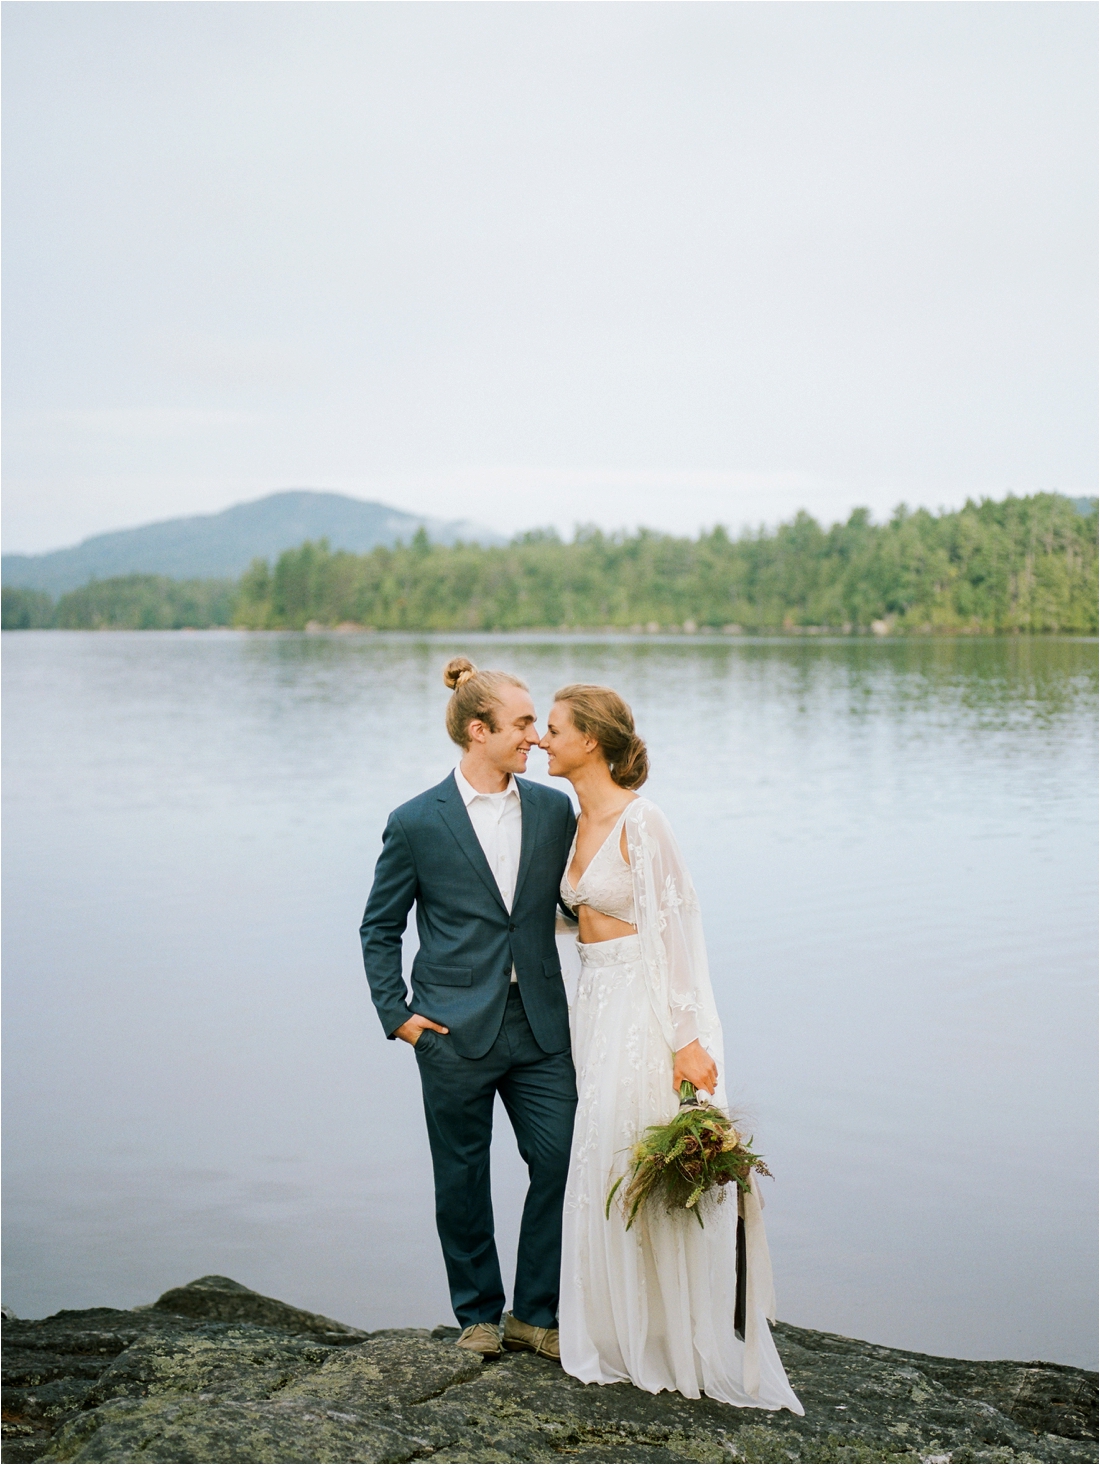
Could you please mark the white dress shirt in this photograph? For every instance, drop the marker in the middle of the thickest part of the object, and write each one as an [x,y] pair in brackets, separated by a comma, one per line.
[498,824]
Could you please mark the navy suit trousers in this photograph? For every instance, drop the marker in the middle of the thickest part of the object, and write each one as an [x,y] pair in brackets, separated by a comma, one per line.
[539,1092]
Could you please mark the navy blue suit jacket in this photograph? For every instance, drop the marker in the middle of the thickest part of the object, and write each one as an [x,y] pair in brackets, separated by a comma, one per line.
[469,941]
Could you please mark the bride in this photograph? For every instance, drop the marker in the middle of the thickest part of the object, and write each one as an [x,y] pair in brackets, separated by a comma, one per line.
[654,1305]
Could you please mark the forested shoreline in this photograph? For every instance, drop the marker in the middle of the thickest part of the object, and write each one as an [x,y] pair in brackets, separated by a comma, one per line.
[1017,565]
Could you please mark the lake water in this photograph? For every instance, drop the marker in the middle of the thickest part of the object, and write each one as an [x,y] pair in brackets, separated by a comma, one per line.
[895,849]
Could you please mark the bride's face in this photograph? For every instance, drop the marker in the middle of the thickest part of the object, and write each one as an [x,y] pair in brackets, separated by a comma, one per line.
[567,749]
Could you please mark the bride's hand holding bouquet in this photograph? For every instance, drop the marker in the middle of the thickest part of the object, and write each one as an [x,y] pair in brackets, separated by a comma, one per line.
[694,1065]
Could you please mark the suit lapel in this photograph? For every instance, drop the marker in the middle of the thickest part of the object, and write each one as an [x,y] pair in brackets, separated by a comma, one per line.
[454,814]
[529,805]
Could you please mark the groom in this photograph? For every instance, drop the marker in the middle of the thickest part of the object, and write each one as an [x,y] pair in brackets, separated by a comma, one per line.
[481,855]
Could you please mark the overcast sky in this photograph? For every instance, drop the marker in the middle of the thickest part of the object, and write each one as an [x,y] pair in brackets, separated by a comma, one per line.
[540,263]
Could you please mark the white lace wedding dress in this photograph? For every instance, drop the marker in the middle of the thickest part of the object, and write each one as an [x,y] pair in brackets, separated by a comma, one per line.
[653,1305]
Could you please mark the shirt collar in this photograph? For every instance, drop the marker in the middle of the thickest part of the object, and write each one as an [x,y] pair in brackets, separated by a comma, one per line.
[469,793]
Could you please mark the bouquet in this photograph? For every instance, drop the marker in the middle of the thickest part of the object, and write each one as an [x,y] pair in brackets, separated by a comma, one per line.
[676,1164]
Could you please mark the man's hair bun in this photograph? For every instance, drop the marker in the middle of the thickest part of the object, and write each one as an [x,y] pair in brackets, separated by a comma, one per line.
[457,671]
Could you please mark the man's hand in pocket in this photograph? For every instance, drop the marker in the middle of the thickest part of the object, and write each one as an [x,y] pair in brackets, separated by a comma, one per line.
[409,1032]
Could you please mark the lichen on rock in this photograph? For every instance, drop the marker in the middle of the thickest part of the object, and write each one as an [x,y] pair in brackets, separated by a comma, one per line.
[269,1382]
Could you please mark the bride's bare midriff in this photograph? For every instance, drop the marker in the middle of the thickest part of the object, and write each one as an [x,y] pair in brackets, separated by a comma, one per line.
[595,926]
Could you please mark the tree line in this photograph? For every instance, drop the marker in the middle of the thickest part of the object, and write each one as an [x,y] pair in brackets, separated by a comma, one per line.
[124,603]
[1020,564]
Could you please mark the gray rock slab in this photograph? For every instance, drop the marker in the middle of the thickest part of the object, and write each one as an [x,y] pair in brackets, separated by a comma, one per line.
[49,1365]
[233,1360]
[200,1429]
[227,1301]
[1043,1397]
[856,1409]
[243,1393]
[151,1385]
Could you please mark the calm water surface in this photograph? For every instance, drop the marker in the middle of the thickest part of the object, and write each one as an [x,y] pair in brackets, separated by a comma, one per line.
[895,849]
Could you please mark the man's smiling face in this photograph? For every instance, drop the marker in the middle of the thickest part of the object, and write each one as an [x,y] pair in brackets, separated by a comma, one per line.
[516,734]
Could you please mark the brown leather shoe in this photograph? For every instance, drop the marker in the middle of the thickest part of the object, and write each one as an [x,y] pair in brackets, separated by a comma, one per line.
[523,1338]
[483,1338]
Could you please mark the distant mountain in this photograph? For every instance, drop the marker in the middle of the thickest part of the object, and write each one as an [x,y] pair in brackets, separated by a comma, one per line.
[217,546]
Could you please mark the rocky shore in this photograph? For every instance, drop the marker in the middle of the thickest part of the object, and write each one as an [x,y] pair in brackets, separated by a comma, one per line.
[214,1372]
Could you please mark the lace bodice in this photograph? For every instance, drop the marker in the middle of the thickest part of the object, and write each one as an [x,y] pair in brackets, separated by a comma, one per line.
[607,885]
[654,893]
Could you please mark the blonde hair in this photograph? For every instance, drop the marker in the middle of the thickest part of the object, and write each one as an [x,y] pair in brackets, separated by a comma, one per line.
[600,713]
[474,697]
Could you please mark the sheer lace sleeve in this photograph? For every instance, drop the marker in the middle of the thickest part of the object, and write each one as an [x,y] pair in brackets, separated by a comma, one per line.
[670,928]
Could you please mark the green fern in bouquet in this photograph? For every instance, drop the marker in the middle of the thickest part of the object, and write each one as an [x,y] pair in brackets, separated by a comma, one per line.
[675,1164]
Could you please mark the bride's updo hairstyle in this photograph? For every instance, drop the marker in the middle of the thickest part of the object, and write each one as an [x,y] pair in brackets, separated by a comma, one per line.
[474,697]
[600,713]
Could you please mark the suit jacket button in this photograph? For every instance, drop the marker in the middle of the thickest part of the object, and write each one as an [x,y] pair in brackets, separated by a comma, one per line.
[511,928]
